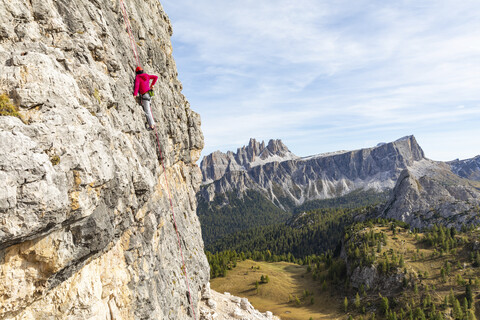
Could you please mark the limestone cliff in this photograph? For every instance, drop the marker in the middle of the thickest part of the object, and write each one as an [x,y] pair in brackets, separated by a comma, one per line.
[85,226]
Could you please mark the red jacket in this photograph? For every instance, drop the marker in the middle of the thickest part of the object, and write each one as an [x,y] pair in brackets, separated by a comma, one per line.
[142,83]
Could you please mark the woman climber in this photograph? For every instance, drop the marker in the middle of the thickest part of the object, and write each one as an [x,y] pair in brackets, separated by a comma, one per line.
[142,86]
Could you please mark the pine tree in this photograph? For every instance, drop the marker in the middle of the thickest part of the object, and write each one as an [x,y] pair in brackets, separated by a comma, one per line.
[468,294]
[451,298]
[385,305]
[394,315]
[384,267]
[419,314]
[439,316]
[357,301]
[345,304]
[305,293]
[297,301]
[471,315]
[457,310]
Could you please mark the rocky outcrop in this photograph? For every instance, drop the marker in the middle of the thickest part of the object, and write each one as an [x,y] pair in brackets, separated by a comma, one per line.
[468,168]
[429,193]
[227,307]
[290,181]
[86,230]
[370,277]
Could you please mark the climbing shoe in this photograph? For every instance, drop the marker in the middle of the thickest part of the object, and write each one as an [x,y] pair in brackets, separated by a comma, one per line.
[148,127]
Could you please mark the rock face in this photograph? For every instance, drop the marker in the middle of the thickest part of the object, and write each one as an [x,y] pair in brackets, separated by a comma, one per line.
[288,180]
[469,168]
[86,230]
[371,278]
[227,307]
[430,193]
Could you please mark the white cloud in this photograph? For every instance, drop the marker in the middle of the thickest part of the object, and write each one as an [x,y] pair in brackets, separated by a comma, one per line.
[357,70]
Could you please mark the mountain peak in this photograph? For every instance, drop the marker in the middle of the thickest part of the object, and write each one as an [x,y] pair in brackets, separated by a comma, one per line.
[257,153]
[406,138]
[410,143]
[216,164]
[276,147]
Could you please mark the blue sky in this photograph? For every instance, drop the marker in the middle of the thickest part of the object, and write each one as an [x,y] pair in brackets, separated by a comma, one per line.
[332,75]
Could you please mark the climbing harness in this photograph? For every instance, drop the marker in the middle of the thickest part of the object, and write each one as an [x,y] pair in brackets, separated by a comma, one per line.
[184,266]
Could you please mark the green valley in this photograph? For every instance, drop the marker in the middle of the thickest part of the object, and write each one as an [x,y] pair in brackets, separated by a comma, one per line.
[384,270]
[225,218]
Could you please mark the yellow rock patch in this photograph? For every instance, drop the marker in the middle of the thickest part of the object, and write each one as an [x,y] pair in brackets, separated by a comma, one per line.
[99,290]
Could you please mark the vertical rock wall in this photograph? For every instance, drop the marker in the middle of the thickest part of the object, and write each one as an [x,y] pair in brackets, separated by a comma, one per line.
[86,230]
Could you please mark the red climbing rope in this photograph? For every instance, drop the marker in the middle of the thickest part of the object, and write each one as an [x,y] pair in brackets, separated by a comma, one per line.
[184,266]
[128,26]
[135,53]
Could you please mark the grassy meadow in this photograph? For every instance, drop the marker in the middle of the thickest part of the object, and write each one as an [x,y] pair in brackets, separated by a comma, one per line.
[287,282]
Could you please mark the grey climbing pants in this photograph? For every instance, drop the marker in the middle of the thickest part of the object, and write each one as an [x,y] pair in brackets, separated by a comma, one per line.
[146,99]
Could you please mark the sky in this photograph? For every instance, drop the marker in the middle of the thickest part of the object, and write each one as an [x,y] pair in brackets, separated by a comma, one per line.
[331,75]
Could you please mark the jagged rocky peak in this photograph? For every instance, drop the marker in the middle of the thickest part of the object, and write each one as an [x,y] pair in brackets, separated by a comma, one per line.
[255,151]
[247,154]
[215,165]
[276,148]
[409,144]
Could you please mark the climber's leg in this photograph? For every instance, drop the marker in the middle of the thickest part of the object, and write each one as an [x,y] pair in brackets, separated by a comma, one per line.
[146,99]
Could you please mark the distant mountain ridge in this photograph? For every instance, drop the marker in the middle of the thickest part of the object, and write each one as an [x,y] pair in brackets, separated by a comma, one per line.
[288,180]
[238,189]
[468,168]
